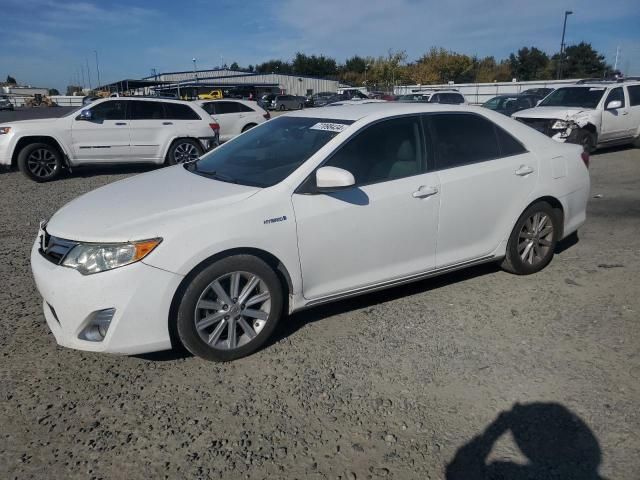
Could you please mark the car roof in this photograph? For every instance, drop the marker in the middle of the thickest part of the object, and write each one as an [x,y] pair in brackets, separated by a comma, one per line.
[146,99]
[362,109]
[218,100]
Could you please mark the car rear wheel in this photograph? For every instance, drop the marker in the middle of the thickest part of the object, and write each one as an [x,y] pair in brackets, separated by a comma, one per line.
[533,240]
[230,309]
[183,150]
[300,106]
[282,107]
[248,127]
[40,162]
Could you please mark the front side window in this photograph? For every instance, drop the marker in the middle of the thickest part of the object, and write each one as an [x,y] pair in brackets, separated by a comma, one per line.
[384,151]
[462,138]
[110,110]
[141,110]
[615,94]
[269,153]
[582,97]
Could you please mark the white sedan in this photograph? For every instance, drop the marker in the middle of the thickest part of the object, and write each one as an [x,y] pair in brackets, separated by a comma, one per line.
[234,116]
[310,207]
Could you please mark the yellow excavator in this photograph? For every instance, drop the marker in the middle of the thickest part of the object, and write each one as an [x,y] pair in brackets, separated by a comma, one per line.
[212,95]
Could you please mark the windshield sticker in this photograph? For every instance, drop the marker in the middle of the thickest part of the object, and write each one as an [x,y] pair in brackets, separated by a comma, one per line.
[329,127]
[598,89]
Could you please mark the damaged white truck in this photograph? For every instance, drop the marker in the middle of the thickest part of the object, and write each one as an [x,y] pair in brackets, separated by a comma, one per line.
[594,114]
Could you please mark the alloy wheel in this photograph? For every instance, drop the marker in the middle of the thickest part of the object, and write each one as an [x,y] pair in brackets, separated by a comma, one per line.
[185,152]
[232,310]
[42,163]
[535,238]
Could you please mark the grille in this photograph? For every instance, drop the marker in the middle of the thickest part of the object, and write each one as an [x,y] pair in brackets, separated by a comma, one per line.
[55,249]
[543,125]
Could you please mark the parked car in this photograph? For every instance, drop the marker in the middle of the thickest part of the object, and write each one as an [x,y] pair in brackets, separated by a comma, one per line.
[305,209]
[5,103]
[538,92]
[266,100]
[234,116]
[287,102]
[122,130]
[317,99]
[450,97]
[594,114]
[212,95]
[509,104]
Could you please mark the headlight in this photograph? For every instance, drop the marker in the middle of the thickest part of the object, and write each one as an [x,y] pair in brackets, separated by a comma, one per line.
[90,258]
[4,130]
[560,125]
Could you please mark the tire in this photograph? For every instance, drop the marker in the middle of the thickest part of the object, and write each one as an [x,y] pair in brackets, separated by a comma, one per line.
[530,249]
[282,108]
[251,324]
[636,142]
[248,127]
[587,139]
[300,107]
[183,150]
[41,162]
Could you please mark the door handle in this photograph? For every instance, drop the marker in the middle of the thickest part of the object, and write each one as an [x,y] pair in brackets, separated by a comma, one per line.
[524,170]
[424,192]
[625,112]
[121,123]
[167,123]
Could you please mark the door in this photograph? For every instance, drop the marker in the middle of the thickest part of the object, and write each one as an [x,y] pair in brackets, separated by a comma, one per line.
[105,138]
[383,228]
[229,117]
[149,130]
[486,177]
[615,121]
[633,94]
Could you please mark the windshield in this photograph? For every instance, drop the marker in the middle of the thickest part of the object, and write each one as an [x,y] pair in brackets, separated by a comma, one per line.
[499,103]
[268,154]
[583,97]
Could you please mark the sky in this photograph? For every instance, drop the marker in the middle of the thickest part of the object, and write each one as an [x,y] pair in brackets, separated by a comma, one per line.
[47,42]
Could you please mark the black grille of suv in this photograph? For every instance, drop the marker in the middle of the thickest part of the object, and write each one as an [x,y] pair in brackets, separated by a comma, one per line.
[55,249]
[543,125]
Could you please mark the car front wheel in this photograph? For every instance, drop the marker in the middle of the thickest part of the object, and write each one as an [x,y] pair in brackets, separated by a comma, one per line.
[230,309]
[40,162]
[533,240]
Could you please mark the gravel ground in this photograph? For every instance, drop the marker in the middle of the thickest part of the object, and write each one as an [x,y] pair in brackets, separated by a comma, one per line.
[398,384]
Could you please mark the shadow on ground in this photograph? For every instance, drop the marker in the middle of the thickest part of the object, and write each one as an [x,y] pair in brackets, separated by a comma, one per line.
[555,441]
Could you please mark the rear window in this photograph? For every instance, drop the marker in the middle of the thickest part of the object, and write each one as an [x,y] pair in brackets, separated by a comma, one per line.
[177,111]
[634,95]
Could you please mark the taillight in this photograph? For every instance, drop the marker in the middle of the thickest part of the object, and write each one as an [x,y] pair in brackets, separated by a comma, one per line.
[585,158]
[215,127]
[267,116]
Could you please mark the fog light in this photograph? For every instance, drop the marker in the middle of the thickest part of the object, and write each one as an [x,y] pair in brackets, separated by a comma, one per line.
[97,325]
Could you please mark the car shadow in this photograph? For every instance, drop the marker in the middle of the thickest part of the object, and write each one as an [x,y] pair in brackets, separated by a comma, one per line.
[612,149]
[566,243]
[555,441]
[96,171]
[177,353]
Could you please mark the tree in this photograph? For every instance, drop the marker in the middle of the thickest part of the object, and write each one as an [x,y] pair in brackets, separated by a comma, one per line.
[355,64]
[53,91]
[529,64]
[11,80]
[442,66]
[234,66]
[274,66]
[320,66]
[582,61]
[250,68]
[488,70]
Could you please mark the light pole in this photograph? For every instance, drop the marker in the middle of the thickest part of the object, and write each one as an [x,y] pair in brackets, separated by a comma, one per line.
[97,67]
[195,69]
[564,29]
[366,67]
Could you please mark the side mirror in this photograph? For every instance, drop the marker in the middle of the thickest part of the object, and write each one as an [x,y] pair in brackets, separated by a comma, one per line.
[614,104]
[330,179]
[85,115]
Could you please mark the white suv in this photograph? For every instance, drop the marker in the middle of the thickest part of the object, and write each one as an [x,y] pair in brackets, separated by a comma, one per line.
[122,130]
[234,116]
[594,114]
[305,209]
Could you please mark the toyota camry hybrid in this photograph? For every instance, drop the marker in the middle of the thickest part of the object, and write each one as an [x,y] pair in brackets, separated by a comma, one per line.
[307,208]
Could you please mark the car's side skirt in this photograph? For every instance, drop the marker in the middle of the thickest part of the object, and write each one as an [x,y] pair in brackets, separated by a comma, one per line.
[398,281]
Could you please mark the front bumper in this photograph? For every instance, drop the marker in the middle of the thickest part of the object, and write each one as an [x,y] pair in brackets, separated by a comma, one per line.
[140,294]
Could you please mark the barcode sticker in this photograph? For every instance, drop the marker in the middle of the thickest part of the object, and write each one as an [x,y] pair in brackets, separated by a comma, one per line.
[329,127]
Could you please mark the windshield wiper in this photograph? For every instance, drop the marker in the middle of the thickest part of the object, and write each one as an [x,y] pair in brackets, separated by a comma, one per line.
[217,176]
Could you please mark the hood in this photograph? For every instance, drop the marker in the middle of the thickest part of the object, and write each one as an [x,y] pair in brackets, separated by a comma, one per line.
[143,206]
[34,121]
[557,113]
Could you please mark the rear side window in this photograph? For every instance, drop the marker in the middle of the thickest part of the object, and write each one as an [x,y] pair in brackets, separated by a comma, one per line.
[634,95]
[451,98]
[243,108]
[111,110]
[385,151]
[140,110]
[462,138]
[508,145]
[226,107]
[177,111]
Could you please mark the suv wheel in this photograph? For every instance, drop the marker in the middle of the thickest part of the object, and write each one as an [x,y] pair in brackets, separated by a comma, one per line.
[248,127]
[587,139]
[183,150]
[230,308]
[40,162]
[533,240]
[282,107]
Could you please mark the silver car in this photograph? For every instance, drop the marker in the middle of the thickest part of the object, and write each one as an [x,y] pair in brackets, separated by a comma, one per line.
[287,102]
[5,103]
